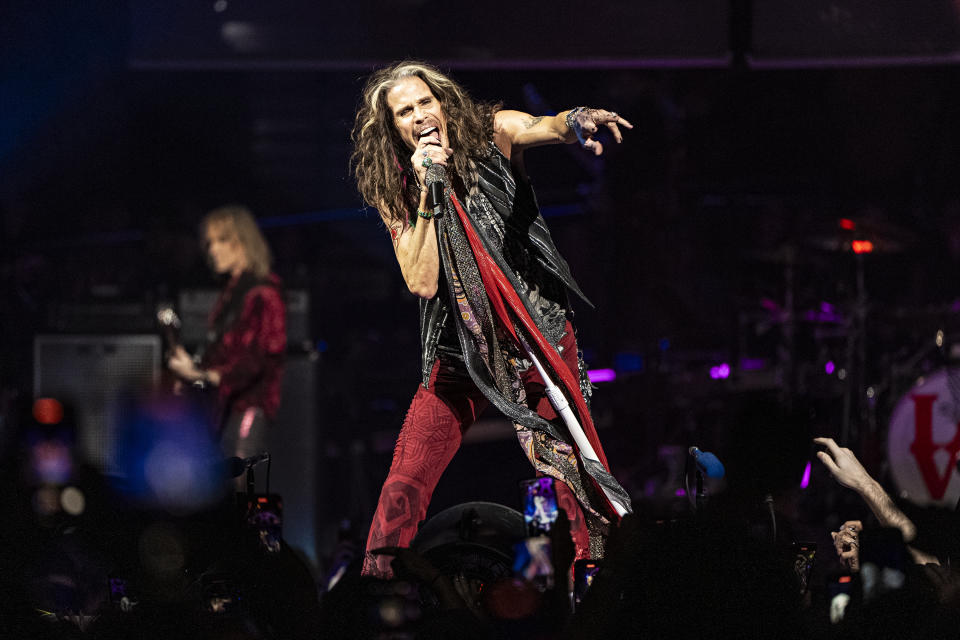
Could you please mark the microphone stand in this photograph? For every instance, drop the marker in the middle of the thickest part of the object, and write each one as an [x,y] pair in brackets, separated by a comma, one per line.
[248,465]
[699,497]
[251,482]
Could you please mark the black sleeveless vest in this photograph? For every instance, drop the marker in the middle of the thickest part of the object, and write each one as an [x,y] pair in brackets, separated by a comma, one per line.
[527,242]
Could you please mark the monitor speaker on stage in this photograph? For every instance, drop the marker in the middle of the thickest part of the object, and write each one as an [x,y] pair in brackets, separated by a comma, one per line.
[91,373]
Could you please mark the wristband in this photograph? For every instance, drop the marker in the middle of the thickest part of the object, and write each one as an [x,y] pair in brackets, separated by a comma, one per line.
[571,118]
[424,214]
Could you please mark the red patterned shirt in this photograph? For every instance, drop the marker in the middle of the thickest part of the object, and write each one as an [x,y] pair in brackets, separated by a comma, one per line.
[250,352]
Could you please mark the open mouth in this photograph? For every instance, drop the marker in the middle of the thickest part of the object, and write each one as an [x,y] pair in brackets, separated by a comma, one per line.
[430,131]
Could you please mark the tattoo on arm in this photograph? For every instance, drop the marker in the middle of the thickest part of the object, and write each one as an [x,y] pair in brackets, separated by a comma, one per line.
[529,123]
[396,229]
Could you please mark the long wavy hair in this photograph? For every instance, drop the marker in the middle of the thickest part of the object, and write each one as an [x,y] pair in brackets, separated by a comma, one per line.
[380,159]
[239,222]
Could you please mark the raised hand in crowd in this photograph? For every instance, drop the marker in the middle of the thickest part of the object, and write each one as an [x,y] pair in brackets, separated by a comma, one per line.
[847,543]
[846,469]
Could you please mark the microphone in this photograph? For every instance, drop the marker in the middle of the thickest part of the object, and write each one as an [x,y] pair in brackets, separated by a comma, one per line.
[236,466]
[437,182]
[708,463]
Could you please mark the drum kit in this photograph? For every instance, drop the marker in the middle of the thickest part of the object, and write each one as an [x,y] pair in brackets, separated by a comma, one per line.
[829,336]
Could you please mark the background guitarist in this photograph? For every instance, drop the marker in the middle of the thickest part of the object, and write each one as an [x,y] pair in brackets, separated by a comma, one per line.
[246,333]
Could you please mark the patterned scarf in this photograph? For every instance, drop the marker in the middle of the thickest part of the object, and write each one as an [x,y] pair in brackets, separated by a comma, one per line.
[494,322]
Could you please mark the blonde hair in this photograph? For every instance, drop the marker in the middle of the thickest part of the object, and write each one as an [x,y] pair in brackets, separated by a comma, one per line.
[380,159]
[238,221]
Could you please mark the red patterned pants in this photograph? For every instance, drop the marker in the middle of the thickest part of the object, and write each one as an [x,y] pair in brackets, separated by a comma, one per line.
[431,434]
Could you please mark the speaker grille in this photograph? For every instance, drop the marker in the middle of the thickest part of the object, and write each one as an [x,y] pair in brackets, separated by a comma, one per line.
[91,373]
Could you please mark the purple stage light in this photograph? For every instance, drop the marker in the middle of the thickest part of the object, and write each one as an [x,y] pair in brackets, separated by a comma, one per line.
[769,305]
[752,364]
[680,493]
[829,367]
[805,482]
[720,372]
[601,375]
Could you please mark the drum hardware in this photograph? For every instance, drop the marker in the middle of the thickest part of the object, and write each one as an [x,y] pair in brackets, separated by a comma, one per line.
[858,237]
[861,237]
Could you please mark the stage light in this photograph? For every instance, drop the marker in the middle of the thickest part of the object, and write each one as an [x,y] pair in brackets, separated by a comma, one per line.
[601,375]
[830,367]
[805,481]
[720,372]
[848,224]
[862,246]
[72,501]
[47,411]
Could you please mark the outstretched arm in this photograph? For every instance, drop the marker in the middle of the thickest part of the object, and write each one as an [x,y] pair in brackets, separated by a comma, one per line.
[517,130]
[847,470]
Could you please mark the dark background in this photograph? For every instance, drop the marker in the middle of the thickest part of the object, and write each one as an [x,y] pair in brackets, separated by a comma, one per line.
[757,128]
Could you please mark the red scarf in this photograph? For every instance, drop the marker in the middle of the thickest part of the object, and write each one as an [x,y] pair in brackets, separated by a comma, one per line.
[501,294]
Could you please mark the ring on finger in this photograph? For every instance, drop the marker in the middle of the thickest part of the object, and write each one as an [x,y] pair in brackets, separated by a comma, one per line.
[427,162]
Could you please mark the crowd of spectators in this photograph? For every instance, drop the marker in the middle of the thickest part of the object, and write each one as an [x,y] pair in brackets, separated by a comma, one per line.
[122,565]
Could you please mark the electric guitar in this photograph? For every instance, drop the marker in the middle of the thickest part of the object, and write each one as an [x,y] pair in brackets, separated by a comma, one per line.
[169,323]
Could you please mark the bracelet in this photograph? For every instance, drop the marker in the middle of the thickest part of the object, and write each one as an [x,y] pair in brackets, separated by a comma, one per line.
[571,118]
[425,214]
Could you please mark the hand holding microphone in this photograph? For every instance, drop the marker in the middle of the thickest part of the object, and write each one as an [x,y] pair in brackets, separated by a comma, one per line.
[437,182]
[429,161]
[428,153]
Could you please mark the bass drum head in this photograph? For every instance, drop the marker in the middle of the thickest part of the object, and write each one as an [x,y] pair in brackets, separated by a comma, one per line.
[923,441]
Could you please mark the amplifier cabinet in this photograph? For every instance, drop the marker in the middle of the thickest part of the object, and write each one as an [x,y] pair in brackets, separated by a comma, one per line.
[91,373]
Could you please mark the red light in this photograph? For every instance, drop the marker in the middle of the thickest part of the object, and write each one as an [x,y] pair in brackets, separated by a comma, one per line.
[47,411]
[262,500]
[862,246]
[848,224]
[844,579]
